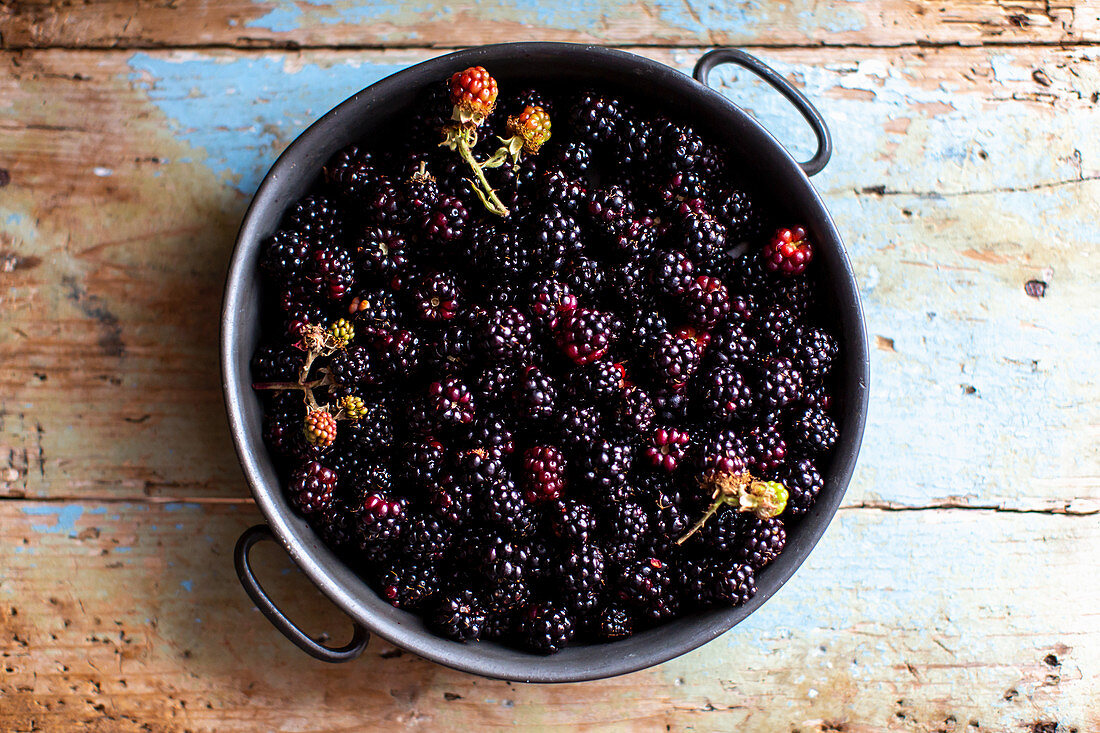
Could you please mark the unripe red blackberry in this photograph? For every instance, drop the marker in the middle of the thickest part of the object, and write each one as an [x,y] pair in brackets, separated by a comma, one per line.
[788,252]
[311,488]
[667,447]
[544,473]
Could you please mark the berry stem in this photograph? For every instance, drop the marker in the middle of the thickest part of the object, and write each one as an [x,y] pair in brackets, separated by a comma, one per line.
[743,492]
[463,140]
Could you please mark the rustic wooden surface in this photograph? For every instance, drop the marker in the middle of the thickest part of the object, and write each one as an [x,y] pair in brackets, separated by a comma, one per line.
[955,591]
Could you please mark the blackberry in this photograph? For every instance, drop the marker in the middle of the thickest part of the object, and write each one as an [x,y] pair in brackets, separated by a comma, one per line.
[459,616]
[632,411]
[624,528]
[504,334]
[706,301]
[675,359]
[536,395]
[732,584]
[273,363]
[817,395]
[559,189]
[546,628]
[572,521]
[554,237]
[501,558]
[635,140]
[446,221]
[340,165]
[422,461]
[671,272]
[381,519]
[628,284]
[585,335]
[450,402]
[595,119]
[371,434]
[796,294]
[351,367]
[311,488]
[419,191]
[499,624]
[336,525]
[374,311]
[451,500]
[815,353]
[777,328]
[578,425]
[428,537]
[803,484]
[480,468]
[499,252]
[702,238]
[582,575]
[380,254]
[722,534]
[504,505]
[646,329]
[397,355]
[766,449]
[587,278]
[332,268]
[599,381]
[410,582]
[503,596]
[778,385]
[320,427]
[286,254]
[669,517]
[722,452]
[549,299]
[733,346]
[495,384]
[788,252]
[644,583]
[501,294]
[610,210]
[382,203]
[813,432]
[492,431]
[736,210]
[317,216]
[725,395]
[543,473]
[670,404]
[682,186]
[666,447]
[681,147]
[762,541]
[436,298]
[449,349]
[614,623]
[606,464]
[575,157]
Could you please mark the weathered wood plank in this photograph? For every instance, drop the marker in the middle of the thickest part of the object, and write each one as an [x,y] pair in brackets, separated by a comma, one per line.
[130,23]
[957,178]
[129,617]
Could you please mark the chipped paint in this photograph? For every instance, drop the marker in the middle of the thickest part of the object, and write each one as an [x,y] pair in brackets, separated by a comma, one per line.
[65,518]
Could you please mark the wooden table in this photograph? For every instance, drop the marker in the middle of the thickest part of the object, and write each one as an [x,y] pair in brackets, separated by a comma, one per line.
[957,590]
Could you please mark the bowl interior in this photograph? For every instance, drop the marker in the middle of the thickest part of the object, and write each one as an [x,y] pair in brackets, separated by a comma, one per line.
[369,112]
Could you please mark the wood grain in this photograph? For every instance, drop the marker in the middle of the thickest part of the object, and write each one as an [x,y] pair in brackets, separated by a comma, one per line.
[329,23]
[957,179]
[120,617]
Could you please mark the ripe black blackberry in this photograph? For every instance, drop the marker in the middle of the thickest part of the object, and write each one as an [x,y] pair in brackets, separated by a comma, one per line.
[382,203]
[421,462]
[502,558]
[380,254]
[813,431]
[628,284]
[559,189]
[701,237]
[428,537]
[554,237]
[495,383]
[371,434]
[381,520]
[682,186]
[670,404]
[450,403]
[624,527]
[671,271]
[766,450]
[336,525]
[731,583]
[815,353]
[732,345]
[311,488]
[536,395]
[572,521]
[675,359]
[722,534]
[643,584]
[493,431]
[632,412]
[436,298]
[317,216]
[610,210]
[451,500]
[409,581]
[543,473]
[778,384]
[332,269]
[706,301]
[374,311]
[505,506]
[594,119]
[277,363]
[614,623]
[585,335]
[575,157]
[762,540]
[582,571]
[343,162]
[599,381]
[797,294]
[480,468]
[286,254]
[396,355]
[777,329]
[725,394]
[459,615]
[501,294]
[351,367]
[578,425]
[546,628]
[419,191]
[549,299]
[736,210]
[606,464]
[722,452]
[681,147]
[449,348]
[499,252]
[646,328]
[503,597]
[587,278]
[803,483]
[446,221]
[504,334]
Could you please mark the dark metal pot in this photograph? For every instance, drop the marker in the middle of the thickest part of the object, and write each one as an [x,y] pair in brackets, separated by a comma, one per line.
[291,177]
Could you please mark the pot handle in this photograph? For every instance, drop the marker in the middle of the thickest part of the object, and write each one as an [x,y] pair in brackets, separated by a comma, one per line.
[353,649]
[721,56]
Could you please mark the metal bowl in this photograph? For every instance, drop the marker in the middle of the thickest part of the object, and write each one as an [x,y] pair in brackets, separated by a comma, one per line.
[715,116]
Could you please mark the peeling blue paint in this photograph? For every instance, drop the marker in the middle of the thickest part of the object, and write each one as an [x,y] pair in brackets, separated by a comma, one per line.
[177,506]
[65,522]
[124,549]
[241,136]
[186,585]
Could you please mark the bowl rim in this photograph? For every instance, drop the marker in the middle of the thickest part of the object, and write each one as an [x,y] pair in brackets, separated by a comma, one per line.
[310,555]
